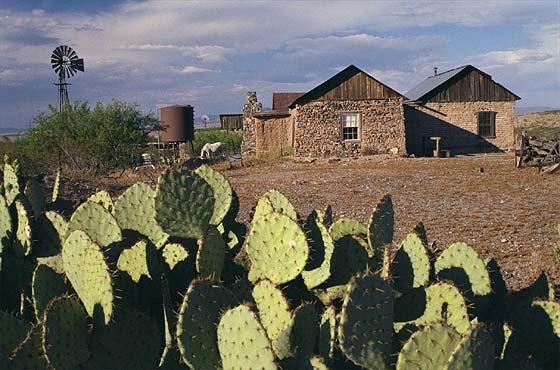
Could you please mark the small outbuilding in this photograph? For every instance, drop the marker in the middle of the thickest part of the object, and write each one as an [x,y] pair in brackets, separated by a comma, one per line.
[231,121]
[465,108]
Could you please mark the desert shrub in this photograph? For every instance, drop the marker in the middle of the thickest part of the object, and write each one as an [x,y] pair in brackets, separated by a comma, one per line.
[97,139]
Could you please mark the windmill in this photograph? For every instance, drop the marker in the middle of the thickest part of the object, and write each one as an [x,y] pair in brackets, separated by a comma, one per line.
[65,63]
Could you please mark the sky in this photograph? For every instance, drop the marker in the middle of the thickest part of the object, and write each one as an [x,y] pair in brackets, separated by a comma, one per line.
[209,54]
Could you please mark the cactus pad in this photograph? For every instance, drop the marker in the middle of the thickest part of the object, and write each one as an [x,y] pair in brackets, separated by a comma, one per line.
[134,210]
[24,237]
[462,257]
[348,226]
[322,248]
[89,274]
[281,204]
[29,353]
[365,330]
[184,203]
[429,348]
[5,226]
[211,253]
[475,352]
[222,190]
[351,253]
[381,229]
[52,228]
[305,328]
[411,266]
[441,302]
[12,332]
[173,253]
[275,316]
[277,246]
[196,326]
[34,194]
[327,333]
[131,342]
[242,341]
[11,181]
[552,310]
[46,285]
[103,198]
[65,333]
[136,261]
[97,222]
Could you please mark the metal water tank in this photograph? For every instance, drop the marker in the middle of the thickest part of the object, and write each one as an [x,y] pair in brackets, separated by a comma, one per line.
[178,123]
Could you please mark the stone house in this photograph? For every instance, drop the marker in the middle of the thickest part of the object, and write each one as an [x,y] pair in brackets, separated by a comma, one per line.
[350,114]
[469,111]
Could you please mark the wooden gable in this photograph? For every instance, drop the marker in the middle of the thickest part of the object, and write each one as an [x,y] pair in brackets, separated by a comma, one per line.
[349,84]
[469,86]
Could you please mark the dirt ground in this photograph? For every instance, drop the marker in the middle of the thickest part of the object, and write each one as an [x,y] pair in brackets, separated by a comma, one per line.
[503,212]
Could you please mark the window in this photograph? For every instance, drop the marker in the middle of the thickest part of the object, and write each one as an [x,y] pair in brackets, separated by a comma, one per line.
[487,124]
[350,126]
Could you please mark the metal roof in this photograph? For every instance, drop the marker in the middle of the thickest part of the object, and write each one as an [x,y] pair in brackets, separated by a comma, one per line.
[432,82]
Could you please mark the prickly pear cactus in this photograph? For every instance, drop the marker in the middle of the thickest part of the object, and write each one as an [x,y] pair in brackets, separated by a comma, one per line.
[281,204]
[56,187]
[211,253]
[46,285]
[103,198]
[6,226]
[381,229]
[365,331]
[29,354]
[275,316]
[440,302]
[134,210]
[462,257]
[305,328]
[278,247]
[173,253]
[52,228]
[429,348]
[223,192]
[132,341]
[34,194]
[184,203]
[65,333]
[12,332]
[11,180]
[476,351]
[242,341]
[24,237]
[351,253]
[322,249]
[327,333]
[138,261]
[552,310]
[200,313]
[89,274]
[411,266]
[97,222]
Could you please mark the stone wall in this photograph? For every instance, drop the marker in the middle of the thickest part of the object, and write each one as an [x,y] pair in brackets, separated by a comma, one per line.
[457,124]
[318,128]
[251,107]
[273,134]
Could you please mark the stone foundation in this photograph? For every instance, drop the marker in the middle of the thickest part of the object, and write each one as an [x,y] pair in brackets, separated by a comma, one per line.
[318,128]
[457,124]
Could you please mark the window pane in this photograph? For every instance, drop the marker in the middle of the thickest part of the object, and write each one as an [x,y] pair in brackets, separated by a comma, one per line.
[487,124]
[350,120]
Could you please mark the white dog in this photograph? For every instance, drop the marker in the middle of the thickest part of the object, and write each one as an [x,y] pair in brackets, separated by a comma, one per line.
[208,150]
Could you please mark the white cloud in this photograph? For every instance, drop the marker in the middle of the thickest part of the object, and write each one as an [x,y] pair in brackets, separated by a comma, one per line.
[194,69]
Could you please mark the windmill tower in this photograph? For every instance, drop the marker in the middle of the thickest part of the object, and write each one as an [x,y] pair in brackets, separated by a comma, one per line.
[65,63]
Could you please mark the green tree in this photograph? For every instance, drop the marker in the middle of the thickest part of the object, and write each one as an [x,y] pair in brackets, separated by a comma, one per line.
[99,138]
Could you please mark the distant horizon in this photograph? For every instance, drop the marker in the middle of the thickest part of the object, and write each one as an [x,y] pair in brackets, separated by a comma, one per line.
[209,54]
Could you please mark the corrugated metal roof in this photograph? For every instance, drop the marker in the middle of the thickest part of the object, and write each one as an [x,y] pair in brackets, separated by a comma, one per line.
[432,82]
[281,101]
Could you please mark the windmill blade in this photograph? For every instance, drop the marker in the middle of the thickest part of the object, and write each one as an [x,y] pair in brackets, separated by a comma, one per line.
[64,50]
[77,64]
[57,70]
[71,71]
[58,52]
[72,54]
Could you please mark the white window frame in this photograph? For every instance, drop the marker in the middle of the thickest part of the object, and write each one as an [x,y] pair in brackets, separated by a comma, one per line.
[358,124]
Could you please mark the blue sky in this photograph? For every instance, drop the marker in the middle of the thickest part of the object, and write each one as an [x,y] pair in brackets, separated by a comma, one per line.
[208,54]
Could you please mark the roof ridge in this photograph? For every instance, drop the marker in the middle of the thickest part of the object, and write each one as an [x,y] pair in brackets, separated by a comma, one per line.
[449,70]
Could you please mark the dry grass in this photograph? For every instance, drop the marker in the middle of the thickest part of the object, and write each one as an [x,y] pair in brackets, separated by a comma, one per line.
[543,124]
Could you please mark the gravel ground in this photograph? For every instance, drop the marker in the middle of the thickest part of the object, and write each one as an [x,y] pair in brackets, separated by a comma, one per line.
[483,200]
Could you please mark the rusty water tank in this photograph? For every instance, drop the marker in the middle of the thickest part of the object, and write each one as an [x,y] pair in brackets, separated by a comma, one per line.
[178,123]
